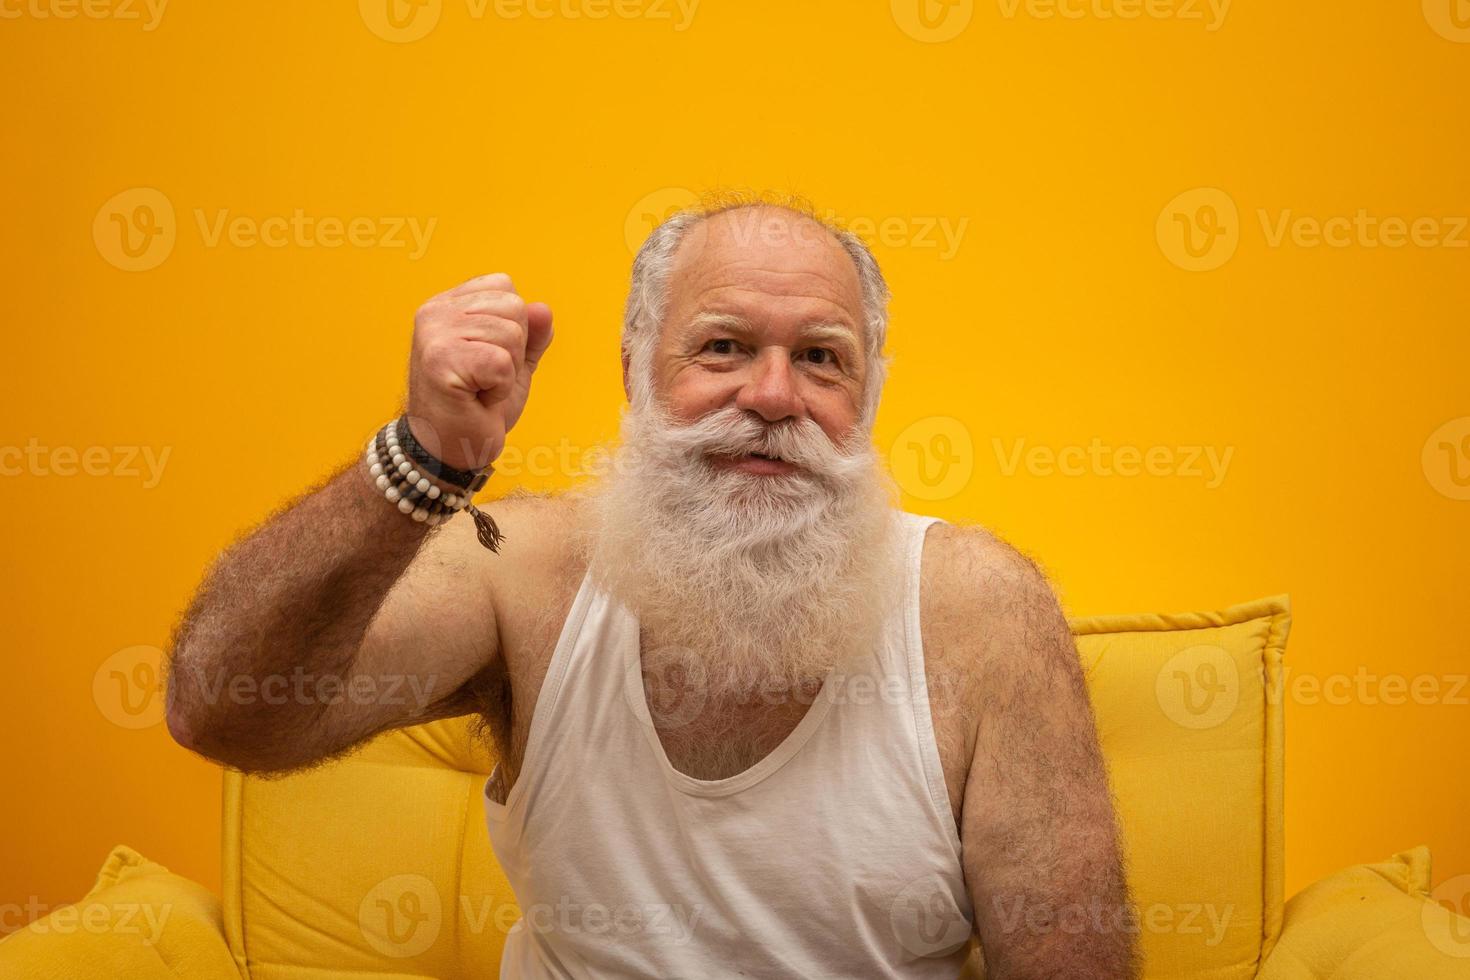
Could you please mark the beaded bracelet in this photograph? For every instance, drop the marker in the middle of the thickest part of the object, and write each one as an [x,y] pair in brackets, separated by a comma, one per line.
[415,495]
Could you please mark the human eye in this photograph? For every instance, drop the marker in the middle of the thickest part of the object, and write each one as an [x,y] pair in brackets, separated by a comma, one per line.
[829,360]
[721,345]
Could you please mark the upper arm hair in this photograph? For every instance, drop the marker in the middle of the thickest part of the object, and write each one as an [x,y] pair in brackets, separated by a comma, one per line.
[1029,693]
[434,648]
[1002,627]
[1039,829]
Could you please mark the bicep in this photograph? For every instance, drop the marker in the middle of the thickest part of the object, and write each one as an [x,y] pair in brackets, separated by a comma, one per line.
[1041,847]
[434,632]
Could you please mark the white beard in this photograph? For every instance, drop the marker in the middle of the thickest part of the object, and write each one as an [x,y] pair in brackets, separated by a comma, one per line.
[746,585]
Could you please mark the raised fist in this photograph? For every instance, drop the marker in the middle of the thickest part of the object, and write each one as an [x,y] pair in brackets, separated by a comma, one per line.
[475,348]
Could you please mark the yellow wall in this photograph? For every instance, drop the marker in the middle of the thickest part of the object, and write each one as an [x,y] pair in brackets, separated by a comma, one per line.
[1064,309]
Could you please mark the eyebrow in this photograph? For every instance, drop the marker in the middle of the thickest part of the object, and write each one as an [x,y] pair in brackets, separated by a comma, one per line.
[839,333]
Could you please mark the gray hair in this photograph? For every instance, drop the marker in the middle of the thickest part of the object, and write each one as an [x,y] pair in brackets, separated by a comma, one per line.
[648,293]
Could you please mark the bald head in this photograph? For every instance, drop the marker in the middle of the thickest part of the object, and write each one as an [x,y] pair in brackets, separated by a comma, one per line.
[787,287]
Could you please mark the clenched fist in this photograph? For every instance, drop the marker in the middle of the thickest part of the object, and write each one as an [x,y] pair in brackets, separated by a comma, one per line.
[475,348]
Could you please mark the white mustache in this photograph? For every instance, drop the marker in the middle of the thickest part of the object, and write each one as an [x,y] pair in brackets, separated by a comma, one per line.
[733,431]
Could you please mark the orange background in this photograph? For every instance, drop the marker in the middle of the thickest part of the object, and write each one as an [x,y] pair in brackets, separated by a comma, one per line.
[1065,314]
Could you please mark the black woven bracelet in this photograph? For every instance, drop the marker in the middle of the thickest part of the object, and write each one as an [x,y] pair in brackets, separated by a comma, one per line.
[435,467]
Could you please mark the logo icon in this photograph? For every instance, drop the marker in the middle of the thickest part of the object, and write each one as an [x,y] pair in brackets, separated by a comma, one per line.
[1198,687]
[653,210]
[933,459]
[1199,230]
[926,918]
[135,230]
[400,21]
[1450,933]
[673,692]
[401,915]
[933,21]
[128,687]
[1446,459]
[1449,18]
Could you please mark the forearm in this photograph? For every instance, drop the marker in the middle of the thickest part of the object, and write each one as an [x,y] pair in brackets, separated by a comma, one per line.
[1070,916]
[293,598]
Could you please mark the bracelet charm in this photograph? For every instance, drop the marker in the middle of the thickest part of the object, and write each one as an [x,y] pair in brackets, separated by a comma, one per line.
[403,478]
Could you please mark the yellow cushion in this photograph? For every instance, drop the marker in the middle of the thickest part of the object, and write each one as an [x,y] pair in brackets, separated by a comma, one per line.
[376,866]
[380,864]
[139,921]
[1371,922]
[1194,751]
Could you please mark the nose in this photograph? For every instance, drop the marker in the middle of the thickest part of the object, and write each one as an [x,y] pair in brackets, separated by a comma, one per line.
[770,390]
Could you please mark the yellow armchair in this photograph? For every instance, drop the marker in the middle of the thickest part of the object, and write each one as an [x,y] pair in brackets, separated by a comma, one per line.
[379,865]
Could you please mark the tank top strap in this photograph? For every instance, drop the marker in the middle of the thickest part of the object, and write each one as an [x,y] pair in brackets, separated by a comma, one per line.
[911,667]
[553,717]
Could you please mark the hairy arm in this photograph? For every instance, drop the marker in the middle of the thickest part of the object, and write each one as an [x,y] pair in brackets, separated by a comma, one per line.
[340,618]
[1042,850]
[335,620]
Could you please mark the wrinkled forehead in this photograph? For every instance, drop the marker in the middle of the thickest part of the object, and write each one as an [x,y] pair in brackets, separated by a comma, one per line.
[765,250]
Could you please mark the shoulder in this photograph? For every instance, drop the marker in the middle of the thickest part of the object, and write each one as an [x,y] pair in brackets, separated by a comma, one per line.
[539,554]
[535,568]
[536,534]
[989,611]
[969,570]
[538,529]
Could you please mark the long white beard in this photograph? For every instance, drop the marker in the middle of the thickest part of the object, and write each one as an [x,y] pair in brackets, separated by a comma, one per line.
[746,585]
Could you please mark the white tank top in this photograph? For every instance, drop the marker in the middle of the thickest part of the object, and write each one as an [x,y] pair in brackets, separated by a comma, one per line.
[836,855]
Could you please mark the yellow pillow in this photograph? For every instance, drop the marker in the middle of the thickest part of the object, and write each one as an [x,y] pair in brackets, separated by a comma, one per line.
[139,921]
[1193,744]
[1372,922]
[376,865]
